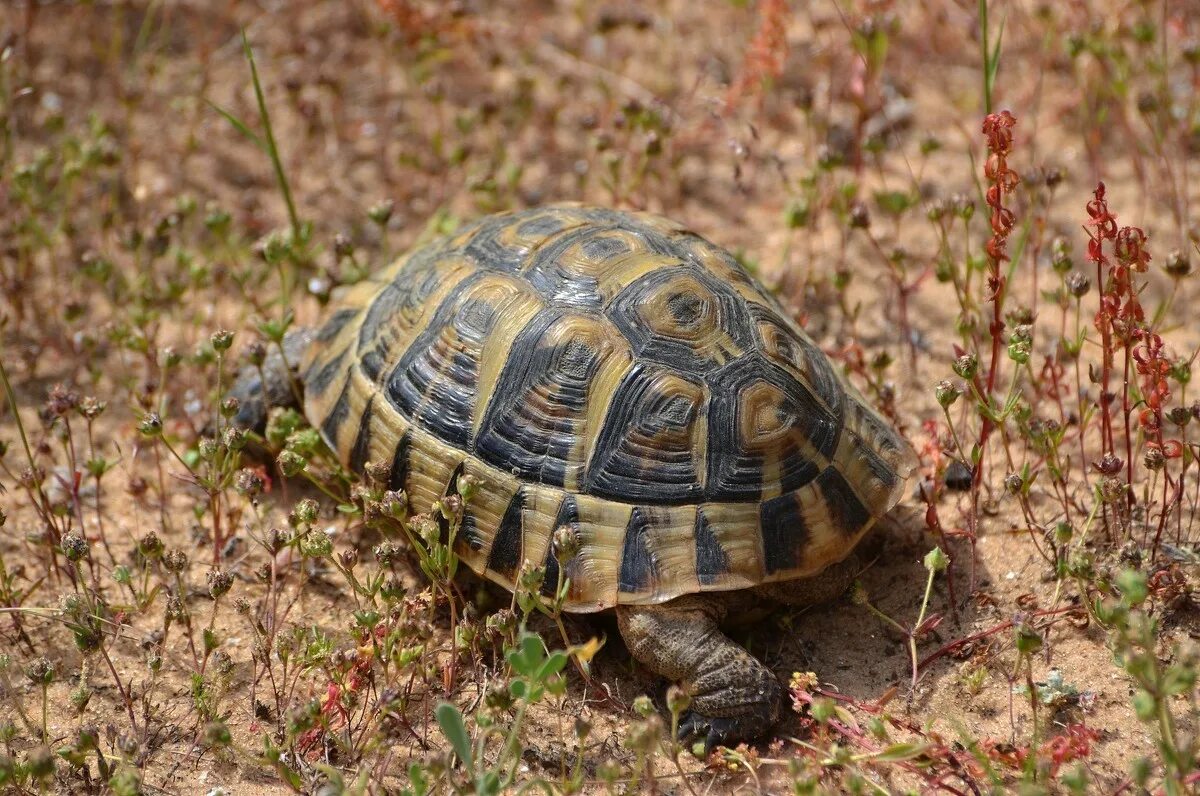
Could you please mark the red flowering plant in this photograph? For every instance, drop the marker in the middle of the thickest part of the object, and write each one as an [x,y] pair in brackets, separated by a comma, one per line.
[1121,320]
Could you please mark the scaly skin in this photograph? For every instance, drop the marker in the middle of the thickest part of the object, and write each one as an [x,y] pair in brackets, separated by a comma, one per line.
[276,385]
[734,696]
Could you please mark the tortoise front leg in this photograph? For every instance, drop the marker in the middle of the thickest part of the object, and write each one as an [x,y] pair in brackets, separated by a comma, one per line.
[275,383]
[734,697]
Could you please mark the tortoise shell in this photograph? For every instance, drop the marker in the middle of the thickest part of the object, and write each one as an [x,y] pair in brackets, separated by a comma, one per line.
[616,373]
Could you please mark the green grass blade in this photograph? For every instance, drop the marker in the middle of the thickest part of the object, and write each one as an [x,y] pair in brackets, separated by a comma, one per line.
[238,124]
[271,147]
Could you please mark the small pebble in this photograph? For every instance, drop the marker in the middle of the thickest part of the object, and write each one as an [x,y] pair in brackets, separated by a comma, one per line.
[958,476]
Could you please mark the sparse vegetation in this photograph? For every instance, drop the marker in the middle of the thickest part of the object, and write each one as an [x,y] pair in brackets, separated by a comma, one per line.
[934,189]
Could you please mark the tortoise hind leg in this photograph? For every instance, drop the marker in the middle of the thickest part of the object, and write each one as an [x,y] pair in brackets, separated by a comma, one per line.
[734,696]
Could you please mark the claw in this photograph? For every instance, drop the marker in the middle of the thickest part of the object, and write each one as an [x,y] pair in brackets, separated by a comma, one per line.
[691,725]
[715,731]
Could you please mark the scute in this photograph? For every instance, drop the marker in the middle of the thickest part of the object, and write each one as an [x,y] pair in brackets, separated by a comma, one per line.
[615,374]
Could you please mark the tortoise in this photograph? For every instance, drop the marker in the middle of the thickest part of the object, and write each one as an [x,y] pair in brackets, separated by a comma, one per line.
[617,374]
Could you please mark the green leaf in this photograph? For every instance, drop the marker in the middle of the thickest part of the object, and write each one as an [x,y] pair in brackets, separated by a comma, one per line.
[901,751]
[552,665]
[1144,705]
[528,657]
[450,719]
[893,203]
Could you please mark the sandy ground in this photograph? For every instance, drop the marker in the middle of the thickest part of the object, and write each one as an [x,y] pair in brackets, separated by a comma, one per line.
[515,104]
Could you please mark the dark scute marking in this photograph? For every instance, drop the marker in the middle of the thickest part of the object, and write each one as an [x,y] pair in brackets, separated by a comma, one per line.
[846,511]
[888,478]
[603,247]
[362,442]
[544,224]
[505,555]
[621,468]
[784,533]
[317,380]
[559,286]
[489,252]
[440,394]
[690,244]
[799,350]
[337,321]
[399,475]
[416,280]
[373,347]
[638,568]
[735,473]
[824,381]
[515,438]
[886,437]
[625,313]
[568,514]
[337,416]
[711,559]
[685,308]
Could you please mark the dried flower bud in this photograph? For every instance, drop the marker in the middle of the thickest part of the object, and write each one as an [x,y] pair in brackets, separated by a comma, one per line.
[678,699]
[74,547]
[255,353]
[1060,255]
[860,217]
[566,543]
[381,212]
[248,483]
[947,392]
[1013,483]
[234,438]
[175,561]
[291,463]
[1112,489]
[219,583]
[61,400]
[387,552]
[221,340]
[151,425]
[315,544]
[394,504]
[379,472]
[40,671]
[150,546]
[1078,284]
[1109,464]
[230,407]
[306,511]
[168,357]
[966,366]
[91,408]
[1178,264]
[277,539]
[1154,458]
